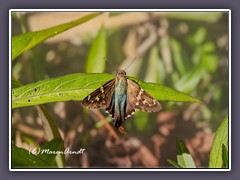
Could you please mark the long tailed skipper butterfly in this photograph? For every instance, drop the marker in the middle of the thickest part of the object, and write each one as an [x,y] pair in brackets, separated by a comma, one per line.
[120,97]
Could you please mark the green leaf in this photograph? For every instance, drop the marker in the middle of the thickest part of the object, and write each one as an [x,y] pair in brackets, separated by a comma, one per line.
[23,158]
[195,16]
[65,88]
[163,93]
[152,71]
[210,62]
[54,145]
[177,49]
[224,156]
[50,127]
[199,35]
[221,138]
[184,158]
[175,164]
[26,41]
[78,86]
[208,47]
[98,52]
[190,80]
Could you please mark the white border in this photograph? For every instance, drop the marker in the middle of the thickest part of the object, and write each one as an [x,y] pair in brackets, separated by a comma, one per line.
[117,10]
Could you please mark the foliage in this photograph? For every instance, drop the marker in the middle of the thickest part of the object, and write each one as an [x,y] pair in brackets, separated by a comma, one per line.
[184,158]
[218,155]
[23,158]
[193,55]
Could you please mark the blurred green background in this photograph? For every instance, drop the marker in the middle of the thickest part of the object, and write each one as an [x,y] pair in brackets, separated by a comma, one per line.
[186,51]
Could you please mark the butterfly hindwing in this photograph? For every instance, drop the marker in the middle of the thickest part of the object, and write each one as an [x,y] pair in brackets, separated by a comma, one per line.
[101,97]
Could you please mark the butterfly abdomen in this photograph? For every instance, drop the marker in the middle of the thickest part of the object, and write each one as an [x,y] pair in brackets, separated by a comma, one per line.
[120,101]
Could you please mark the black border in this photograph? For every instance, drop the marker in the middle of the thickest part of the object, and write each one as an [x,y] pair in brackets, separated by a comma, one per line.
[235,73]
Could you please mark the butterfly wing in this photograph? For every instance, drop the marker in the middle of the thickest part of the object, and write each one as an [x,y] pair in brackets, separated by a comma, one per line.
[140,99]
[101,97]
[132,91]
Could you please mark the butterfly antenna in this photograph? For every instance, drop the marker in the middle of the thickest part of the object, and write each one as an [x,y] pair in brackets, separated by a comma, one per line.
[133,60]
[115,67]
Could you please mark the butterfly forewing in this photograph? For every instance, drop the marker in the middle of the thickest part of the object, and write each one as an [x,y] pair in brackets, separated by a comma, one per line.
[120,97]
[140,99]
[133,91]
[101,97]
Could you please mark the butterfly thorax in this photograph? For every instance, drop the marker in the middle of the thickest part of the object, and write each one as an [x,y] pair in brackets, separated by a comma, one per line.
[121,83]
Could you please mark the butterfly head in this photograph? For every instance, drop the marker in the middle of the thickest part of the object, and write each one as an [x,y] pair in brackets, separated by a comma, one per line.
[121,74]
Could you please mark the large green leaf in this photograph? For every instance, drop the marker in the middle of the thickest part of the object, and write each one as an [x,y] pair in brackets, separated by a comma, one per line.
[23,158]
[26,41]
[78,86]
[221,138]
[49,126]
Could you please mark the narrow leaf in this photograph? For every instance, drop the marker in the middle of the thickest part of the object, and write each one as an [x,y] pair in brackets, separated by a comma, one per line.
[175,164]
[221,138]
[190,80]
[152,71]
[70,87]
[97,56]
[184,158]
[78,86]
[195,16]
[163,93]
[26,41]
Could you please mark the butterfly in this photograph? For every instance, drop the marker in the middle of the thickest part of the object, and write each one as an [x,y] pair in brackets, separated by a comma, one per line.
[120,97]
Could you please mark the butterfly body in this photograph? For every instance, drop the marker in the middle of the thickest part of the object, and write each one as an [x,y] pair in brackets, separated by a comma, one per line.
[120,97]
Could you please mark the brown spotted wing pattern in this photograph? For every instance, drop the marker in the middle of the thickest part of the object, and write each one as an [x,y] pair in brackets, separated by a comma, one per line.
[121,105]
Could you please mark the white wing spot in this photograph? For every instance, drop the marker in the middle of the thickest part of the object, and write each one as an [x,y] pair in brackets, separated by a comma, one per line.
[145,102]
[101,89]
[139,95]
[88,97]
[154,102]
